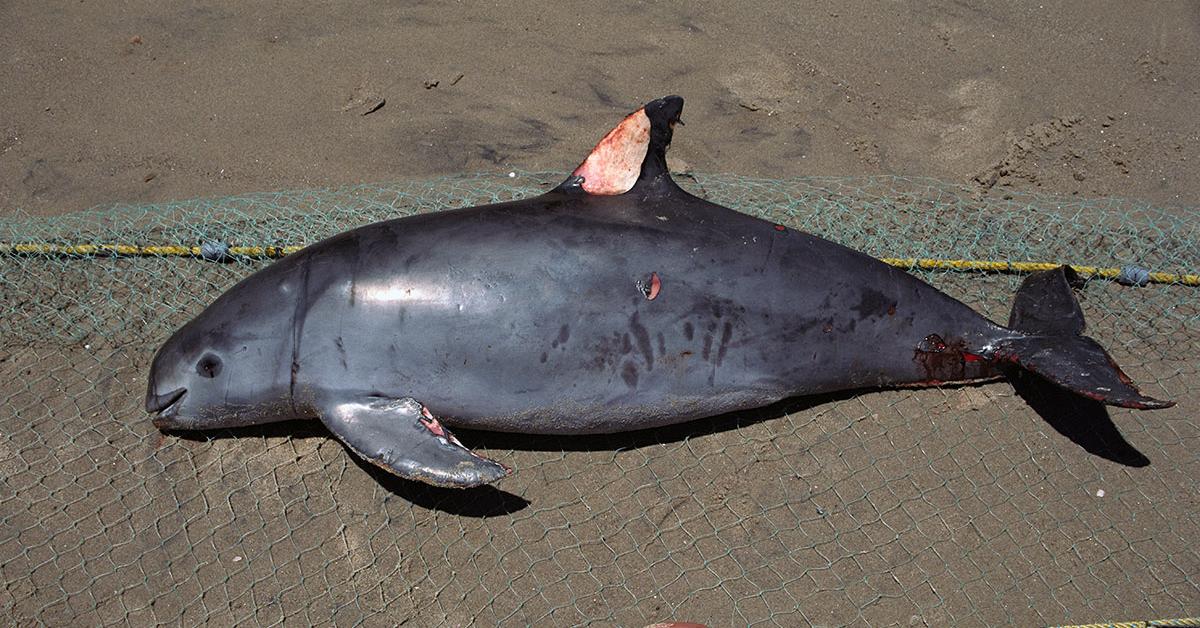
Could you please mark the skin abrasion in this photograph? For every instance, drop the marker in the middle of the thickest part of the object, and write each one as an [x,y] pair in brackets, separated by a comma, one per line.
[615,163]
[651,287]
[435,427]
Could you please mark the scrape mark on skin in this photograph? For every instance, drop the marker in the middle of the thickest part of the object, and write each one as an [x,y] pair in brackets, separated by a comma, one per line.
[564,334]
[688,331]
[643,340]
[341,350]
[704,353]
[354,272]
[662,344]
[629,374]
[608,349]
[299,315]
[726,334]
[767,259]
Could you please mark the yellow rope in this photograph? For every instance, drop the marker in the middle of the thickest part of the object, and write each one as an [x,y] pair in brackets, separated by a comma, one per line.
[1184,622]
[280,251]
[167,250]
[1029,267]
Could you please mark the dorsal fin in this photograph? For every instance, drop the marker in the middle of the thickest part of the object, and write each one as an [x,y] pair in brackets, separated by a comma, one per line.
[634,150]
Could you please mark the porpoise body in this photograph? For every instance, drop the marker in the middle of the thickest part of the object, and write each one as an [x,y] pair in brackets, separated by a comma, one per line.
[615,302]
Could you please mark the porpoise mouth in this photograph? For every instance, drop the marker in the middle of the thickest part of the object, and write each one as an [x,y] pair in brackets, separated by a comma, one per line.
[163,404]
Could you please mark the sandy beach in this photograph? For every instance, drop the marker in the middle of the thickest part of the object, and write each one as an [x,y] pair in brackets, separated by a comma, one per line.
[147,101]
[952,506]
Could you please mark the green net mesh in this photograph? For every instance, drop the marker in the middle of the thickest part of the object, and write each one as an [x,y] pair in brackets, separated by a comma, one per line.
[930,507]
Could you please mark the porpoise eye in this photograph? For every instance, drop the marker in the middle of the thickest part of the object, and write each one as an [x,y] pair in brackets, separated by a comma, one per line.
[209,366]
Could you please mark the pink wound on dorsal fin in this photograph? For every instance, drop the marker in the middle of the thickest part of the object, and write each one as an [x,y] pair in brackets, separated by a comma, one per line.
[615,163]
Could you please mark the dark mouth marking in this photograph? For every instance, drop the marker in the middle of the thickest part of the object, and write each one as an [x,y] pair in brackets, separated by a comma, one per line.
[158,403]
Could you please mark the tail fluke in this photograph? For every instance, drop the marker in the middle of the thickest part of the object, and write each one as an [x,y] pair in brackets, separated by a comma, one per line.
[1046,312]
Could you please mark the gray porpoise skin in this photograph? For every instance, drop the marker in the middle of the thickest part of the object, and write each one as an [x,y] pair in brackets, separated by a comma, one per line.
[568,313]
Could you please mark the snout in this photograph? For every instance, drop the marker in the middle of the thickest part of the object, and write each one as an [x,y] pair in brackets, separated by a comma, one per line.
[163,404]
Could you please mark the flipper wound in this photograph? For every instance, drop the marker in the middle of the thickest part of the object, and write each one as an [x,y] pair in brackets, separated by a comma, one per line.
[402,437]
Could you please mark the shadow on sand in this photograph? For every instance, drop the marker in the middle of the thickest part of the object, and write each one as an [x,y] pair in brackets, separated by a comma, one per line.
[483,501]
[489,501]
[1084,421]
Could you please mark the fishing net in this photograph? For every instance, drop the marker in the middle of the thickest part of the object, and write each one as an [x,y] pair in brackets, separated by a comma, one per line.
[920,507]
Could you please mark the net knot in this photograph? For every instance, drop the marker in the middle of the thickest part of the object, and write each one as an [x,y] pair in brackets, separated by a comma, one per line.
[1133,276]
[214,250]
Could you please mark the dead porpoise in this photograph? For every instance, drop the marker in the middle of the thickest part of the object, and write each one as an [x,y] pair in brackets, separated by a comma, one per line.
[616,301]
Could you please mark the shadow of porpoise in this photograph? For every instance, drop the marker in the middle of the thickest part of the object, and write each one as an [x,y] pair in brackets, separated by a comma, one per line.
[1085,421]
[662,435]
[482,501]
